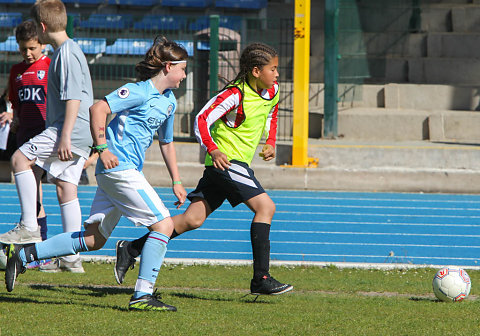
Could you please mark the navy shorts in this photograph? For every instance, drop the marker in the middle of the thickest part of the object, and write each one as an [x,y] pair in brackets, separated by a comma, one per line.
[237,184]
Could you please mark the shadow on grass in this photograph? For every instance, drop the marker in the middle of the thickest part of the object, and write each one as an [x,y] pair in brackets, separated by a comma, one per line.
[423,299]
[21,299]
[96,291]
[223,299]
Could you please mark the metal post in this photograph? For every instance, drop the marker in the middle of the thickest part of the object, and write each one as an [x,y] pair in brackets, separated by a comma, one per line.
[214,46]
[69,28]
[301,81]
[330,127]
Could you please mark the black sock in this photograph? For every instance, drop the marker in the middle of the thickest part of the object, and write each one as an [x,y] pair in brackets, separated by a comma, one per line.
[135,247]
[42,222]
[30,252]
[259,235]
[174,234]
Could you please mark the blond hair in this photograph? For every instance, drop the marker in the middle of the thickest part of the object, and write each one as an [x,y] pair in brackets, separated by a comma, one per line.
[52,13]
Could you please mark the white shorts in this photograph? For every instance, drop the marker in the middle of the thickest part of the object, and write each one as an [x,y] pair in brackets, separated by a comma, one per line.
[126,193]
[43,149]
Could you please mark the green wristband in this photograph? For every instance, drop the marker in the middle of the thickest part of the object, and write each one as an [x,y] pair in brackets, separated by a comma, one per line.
[99,148]
[177,182]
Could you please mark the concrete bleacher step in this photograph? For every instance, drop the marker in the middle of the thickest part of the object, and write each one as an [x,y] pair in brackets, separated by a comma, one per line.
[370,124]
[453,45]
[436,70]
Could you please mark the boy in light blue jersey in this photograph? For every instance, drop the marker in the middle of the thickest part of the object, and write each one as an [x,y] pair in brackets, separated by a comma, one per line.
[140,109]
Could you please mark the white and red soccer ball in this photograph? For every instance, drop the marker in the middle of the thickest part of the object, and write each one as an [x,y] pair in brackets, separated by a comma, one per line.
[451,284]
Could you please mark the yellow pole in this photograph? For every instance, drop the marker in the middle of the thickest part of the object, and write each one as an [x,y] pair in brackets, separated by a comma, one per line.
[301,80]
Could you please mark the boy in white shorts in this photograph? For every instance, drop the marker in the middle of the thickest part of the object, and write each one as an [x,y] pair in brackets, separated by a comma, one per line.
[62,149]
[141,109]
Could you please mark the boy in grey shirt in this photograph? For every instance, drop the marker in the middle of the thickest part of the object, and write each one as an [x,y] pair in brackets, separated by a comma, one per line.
[62,149]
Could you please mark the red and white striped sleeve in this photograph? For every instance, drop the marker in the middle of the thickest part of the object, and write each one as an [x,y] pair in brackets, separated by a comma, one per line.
[217,107]
[271,126]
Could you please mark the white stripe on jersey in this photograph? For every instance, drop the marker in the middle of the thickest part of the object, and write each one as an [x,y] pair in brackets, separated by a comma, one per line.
[65,57]
[122,117]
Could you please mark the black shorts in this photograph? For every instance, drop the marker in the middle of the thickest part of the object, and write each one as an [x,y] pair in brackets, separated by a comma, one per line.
[237,184]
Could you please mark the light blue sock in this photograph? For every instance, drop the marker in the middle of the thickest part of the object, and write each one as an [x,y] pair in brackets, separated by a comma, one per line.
[153,253]
[63,244]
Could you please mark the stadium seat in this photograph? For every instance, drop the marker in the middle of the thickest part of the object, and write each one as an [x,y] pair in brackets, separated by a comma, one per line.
[161,22]
[187,3]
[91,45]
[17,1]
[142,3]
[84,2]
[188,45]
[250,4]
[10,45]
[230,22]
[108,21]
[10,20]
[125,46]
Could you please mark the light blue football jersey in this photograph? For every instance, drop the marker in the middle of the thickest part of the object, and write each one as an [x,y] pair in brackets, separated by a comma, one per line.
[140,112]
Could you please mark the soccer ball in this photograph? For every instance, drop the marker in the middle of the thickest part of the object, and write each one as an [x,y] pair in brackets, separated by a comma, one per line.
[451,284]
[3,257]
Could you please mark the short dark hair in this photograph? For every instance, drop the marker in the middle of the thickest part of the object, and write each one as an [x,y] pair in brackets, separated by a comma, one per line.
[26,31]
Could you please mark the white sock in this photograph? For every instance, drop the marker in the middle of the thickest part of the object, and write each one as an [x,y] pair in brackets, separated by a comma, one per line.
[71,221]
[27,194]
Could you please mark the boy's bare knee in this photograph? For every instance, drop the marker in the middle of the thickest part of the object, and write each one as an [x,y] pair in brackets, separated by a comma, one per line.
[20,162]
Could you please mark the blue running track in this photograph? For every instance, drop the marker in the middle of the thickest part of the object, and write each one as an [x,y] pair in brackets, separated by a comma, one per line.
[310,226]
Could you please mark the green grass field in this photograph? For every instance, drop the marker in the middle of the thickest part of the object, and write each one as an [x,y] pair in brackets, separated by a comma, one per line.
[211,301]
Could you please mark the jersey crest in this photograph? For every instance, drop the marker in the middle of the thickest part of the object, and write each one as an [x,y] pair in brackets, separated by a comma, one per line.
[41,74]
[123,92]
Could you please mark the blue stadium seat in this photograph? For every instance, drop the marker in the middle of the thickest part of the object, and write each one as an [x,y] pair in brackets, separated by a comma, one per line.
[91,45]
[188,45]
[109,21]
[17,1]
[10,20]
[142,3]
[187,3]
[125,46]
[85,2]
[230,22]
[161,22]
[9,45]
[250,4]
